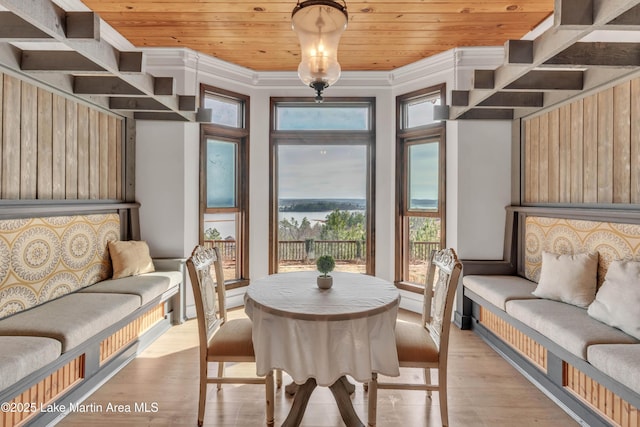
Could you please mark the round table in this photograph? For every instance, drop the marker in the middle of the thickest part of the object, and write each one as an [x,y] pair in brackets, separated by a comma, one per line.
[318,336]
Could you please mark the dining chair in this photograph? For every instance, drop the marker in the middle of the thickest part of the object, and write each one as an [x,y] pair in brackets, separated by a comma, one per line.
[221,340]
[425,345]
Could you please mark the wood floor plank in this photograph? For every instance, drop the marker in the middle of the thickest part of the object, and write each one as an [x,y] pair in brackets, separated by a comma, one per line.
[484,390]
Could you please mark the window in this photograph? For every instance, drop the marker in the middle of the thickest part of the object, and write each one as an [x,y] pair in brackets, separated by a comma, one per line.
[321,169]
[224,193]
[420,190]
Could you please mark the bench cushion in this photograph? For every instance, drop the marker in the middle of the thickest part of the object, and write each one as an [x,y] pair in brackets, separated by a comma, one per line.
[619,361]
[71,319]
[567,325]
[147,286]
[500,289]
[21,356]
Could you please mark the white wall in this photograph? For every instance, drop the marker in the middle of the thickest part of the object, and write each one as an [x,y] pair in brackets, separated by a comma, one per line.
[478,186]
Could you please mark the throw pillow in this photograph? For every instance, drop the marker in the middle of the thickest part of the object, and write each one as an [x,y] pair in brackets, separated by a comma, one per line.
[617,302]
[568,278]
[129,258]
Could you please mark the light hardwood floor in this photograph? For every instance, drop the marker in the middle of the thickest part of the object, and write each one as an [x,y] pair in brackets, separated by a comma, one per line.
[484,390]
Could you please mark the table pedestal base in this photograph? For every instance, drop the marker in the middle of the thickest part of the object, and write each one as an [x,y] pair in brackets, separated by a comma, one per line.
[341,390]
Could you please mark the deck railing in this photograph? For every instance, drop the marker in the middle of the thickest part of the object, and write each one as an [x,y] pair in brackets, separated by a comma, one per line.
[341,250]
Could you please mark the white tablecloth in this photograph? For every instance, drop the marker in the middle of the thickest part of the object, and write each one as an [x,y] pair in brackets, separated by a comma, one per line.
[324,334]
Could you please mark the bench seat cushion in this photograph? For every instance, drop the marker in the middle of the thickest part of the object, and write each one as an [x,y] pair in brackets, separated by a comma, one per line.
[500,289]
[71,319]
[567,325]
[619,361]
[147,286]
[21,356]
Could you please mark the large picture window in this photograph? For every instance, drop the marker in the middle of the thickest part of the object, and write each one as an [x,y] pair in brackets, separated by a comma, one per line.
[420,187]
[224,180]
[322,187]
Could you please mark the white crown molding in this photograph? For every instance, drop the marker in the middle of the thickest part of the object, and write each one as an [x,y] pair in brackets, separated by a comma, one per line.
[162,61]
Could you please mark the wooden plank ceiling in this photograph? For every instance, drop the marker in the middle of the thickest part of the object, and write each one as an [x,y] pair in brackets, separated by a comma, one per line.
[381,35]
[591,43]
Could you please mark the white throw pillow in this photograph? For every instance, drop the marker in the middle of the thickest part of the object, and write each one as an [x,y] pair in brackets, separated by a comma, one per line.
[617,302]
[568,278]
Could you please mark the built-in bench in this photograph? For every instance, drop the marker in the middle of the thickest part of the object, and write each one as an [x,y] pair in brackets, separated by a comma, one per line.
[65,325]
[588,367]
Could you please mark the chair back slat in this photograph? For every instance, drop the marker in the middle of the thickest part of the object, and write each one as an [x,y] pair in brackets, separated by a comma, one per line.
[208,294]
[442,280]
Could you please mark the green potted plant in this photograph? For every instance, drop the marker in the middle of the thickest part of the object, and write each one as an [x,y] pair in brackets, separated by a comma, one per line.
[325,265]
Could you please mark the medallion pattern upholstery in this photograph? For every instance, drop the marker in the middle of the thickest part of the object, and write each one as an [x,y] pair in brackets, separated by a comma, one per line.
[612,241]
[45,258]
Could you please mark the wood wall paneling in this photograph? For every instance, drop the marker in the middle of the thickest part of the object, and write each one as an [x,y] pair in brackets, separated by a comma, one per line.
[576,155]
[28,141]
[94,154]
[83,152]
[71,153]
[45,144]
[587,151]
[543,159]
[52,147]
[605,146]
[635,141]
[554,156]
[11,138]
[590,150]
[622,143]
[59,146]
[104,156]
[564,155]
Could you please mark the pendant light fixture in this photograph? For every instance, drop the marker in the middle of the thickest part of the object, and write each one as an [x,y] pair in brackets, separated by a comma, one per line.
[319,25]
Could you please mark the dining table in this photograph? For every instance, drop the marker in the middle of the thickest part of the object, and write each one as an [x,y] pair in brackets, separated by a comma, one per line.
[320,336]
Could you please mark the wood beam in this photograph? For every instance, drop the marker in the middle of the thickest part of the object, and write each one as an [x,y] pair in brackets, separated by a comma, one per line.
[169,116]
[187,102]
[628,20]
[51,19]
[573,12]
[103,85]
[82,25]
[459,97]
[130,62]
[56,60]
[483,79]
[519,51]
[136,104]
[488,114]
[600,54]
[14,28]
[547,45]
[514,99]
[549,80]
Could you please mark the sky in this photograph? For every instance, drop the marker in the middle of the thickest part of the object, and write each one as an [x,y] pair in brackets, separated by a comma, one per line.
[322,171]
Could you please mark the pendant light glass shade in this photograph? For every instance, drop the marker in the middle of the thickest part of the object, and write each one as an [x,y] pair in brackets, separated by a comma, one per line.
[319,25]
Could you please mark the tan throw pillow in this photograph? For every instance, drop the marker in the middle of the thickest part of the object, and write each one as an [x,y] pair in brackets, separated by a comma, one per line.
[568,278]
[130,258]
[617,302]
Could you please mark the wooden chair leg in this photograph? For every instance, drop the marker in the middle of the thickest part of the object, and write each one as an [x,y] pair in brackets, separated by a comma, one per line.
[202,398]
[427,379]
[442,392]
[270,398]
[373,400]
[220,373]
[279,378]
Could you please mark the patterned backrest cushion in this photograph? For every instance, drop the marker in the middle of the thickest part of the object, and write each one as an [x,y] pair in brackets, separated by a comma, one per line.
[612,241]
[45,258]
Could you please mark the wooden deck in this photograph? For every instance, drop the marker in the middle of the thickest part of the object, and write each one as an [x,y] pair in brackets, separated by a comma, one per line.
[484,390]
